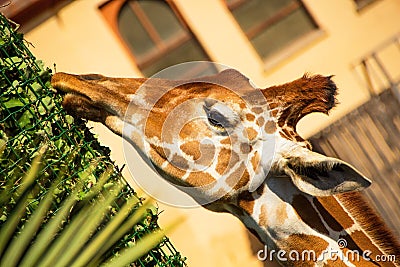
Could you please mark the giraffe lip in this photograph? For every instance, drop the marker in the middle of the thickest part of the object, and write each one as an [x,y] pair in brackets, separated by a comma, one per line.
[73,94]
[80,106]
[62,83]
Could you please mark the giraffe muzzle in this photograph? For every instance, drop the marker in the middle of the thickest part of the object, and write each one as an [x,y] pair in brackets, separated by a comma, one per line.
[91,96]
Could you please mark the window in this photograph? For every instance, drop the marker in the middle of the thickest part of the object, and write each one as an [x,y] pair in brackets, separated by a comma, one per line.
[272,25]
[154,34]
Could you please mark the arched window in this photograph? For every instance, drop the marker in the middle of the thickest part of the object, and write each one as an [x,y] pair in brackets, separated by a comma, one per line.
[154,33]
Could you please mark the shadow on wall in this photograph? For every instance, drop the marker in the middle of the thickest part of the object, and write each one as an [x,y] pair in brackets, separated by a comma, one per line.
[256,246]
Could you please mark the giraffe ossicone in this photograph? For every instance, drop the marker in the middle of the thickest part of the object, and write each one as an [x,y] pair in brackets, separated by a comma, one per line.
[234,148]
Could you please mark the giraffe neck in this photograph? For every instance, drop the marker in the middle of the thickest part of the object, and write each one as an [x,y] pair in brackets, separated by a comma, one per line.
[334,229]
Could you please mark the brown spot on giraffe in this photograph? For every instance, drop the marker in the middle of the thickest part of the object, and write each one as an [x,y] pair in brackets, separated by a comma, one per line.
[207,154]
[262,218]
[239,178]
[281,123]
[191,148]
[250,133]
[273,105]
[255,160]
[257,110]
[246,202]
[198,179]
[270,127]
[260,121]
[281,214]
[226,160]
[245,148]
[274,113]
[153,126]
[301,244]
[180,162]
[250,117]
[190,131]
[170,169]
[226,141]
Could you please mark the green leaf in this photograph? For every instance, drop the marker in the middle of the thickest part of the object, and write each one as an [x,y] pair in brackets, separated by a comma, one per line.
[25,119]
[12,103]
[36,87]
[46,105]
[69,119]
[10,225]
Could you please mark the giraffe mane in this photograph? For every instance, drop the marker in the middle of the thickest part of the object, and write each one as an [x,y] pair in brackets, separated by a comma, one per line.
[310,93]
[356,204]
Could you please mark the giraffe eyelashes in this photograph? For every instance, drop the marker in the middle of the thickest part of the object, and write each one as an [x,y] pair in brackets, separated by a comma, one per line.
[217,120]
[220,117]
[215,123]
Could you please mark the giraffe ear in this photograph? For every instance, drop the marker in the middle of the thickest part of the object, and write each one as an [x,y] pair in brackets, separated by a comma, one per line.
[318,175]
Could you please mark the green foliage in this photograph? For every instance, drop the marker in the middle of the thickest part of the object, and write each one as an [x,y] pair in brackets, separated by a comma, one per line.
[31,118]
[80,232]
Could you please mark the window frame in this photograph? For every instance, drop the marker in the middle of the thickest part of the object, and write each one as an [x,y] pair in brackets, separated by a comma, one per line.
[110,11]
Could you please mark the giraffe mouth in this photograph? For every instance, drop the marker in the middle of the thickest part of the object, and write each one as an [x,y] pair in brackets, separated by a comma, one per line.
[77,101]
[81,106]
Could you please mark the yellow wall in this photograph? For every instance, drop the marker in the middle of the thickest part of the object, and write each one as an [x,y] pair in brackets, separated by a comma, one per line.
[78,40]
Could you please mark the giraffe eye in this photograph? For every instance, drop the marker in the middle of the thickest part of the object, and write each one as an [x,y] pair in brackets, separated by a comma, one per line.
[216,119]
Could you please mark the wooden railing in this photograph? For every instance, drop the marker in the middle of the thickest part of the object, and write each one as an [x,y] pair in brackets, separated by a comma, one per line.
[380,69]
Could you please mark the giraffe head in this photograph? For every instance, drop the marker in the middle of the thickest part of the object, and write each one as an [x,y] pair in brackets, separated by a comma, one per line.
[216,136]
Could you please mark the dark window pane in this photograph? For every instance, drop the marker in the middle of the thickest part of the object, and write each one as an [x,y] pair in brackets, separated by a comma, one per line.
[134,33]
[283,33]
[254,12]
[163,19]
[189,51]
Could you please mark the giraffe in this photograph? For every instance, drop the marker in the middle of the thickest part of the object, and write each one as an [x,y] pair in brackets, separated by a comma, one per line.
[234,148]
